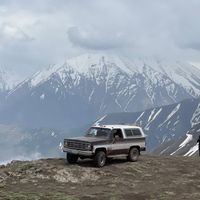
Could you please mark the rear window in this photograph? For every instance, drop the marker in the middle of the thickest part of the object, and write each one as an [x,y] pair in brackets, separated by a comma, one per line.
[136,132]
[132,132]
[128,132]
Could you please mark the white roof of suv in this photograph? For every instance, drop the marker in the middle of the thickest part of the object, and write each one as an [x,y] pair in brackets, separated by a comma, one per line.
[116,126]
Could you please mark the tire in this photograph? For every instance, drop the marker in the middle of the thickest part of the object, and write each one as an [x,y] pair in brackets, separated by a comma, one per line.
[133,154]
[72,158]
[100,159]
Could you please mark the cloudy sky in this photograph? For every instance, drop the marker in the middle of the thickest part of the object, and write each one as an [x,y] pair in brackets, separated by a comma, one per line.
[39,33]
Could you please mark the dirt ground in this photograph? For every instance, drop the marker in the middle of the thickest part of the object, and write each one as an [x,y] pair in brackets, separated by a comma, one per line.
[151,178]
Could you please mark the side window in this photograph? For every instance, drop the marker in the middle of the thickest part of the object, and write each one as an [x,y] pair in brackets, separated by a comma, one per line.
[128,132]
[132,132]
[136,132]
[117,132]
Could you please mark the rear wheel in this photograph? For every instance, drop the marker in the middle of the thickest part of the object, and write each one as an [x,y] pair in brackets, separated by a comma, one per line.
[133,154]
[72,158]
[100,159]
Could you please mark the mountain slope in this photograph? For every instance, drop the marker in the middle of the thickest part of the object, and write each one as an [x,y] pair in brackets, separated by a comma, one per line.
[185,145]
[162,125]
[88,86]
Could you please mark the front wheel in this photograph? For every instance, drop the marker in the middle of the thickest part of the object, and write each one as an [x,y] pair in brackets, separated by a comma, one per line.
[100,159]
[133,154]
[72,158]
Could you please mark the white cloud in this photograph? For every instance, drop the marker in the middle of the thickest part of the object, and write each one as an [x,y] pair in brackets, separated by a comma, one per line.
[37,33]
[95,40]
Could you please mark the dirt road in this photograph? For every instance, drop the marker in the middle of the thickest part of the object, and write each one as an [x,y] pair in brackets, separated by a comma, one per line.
[150,178]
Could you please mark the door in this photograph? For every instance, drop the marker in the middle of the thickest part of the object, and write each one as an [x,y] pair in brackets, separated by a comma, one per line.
[119,145]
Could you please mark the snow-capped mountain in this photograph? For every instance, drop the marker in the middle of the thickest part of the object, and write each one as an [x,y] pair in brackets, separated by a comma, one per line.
[171,129]
[91,85]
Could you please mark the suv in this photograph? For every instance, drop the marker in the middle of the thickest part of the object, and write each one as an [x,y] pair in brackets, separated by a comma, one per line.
[106,141]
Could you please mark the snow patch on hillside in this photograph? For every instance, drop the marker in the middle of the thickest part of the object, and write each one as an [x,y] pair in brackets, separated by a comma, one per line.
[42,96]
[189,138]
[139,117]
[98,121]
[196,116]
[192,150]
[186,141]
[152,117]
[171,114]
[42,76]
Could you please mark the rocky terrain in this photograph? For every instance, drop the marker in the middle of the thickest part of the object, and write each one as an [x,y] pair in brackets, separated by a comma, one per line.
[152,177]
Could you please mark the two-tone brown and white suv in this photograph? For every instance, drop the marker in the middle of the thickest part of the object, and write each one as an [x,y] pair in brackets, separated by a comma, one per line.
[106,141]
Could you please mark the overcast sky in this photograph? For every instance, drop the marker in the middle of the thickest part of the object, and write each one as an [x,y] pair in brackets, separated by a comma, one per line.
[39,33]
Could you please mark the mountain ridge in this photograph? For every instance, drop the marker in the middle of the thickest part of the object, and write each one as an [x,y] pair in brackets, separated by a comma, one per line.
[85,88]
[166,127]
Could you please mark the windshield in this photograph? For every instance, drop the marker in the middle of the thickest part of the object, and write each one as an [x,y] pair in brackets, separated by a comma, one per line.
[98,132]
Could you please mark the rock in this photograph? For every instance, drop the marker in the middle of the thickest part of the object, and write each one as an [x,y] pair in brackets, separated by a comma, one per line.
[2,185]
[23,181]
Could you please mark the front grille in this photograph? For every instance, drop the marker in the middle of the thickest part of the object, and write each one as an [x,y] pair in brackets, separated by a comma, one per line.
[77,145]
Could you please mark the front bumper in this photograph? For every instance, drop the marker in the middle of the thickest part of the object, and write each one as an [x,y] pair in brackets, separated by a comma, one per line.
[78,152]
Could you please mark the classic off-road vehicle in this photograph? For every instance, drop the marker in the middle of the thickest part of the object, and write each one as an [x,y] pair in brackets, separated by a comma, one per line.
[106,141]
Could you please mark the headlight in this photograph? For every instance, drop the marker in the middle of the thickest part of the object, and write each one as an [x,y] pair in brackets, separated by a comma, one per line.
[65,143]
[89,147]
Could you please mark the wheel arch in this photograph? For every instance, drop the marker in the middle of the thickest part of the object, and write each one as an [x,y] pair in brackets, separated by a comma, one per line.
[101,149]
[135,146]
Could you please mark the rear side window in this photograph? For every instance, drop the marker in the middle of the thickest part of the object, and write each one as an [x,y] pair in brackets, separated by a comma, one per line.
[128,132]
[136,132]
[132,132]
